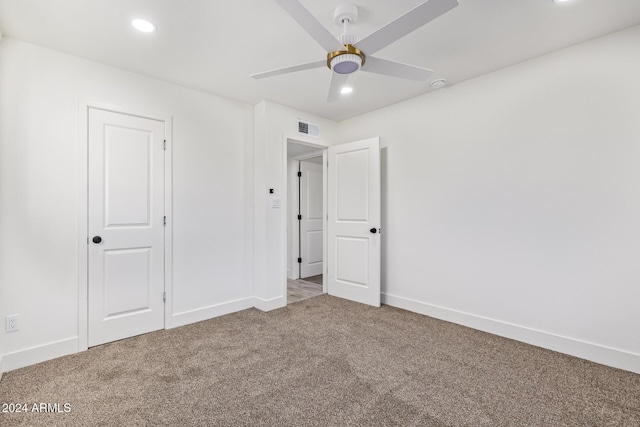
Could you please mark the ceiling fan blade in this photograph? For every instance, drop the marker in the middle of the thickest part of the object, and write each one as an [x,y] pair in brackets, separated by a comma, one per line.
[311,25]
[395,69]
[292,69]
[337,82]
[400,27]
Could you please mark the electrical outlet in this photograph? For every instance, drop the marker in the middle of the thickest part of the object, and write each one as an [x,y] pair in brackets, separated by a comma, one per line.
[12,323]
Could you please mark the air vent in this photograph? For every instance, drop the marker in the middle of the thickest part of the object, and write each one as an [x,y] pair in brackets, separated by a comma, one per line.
[307,128]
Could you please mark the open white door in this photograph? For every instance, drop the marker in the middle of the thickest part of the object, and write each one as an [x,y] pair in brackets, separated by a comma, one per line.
[311,218]
[354,221]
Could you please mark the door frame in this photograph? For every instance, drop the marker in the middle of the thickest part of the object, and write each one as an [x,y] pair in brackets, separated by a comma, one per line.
[83,211]
[285,202]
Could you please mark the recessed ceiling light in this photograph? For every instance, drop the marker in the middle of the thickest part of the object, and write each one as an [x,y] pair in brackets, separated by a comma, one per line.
[562,1]
[143,25]
[346,90]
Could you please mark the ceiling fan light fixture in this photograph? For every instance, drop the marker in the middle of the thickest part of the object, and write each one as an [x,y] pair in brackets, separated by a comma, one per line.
[346,64]
[346,61]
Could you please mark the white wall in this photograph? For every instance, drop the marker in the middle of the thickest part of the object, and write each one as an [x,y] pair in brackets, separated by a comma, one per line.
[273,125]
[212,195]
[512,201]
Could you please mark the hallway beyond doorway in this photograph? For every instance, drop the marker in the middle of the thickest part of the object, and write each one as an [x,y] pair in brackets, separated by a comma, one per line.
[301,289]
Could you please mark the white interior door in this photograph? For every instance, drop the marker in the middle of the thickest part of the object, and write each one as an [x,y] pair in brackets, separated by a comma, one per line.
[125,225]
[311,219]
[354,221]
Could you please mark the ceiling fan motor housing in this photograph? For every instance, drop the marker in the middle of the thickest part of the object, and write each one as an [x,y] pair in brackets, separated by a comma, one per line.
[346,61]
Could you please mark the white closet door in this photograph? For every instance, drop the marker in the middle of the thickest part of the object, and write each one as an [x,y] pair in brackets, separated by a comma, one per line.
[126,230]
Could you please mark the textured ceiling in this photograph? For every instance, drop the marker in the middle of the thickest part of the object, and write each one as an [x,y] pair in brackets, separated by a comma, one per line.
[215,45]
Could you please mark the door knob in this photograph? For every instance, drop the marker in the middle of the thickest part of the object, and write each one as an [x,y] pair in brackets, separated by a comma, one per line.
[374,230]
[97,239]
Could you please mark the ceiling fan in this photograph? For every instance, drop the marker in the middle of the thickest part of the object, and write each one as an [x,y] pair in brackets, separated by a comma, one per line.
[346,55]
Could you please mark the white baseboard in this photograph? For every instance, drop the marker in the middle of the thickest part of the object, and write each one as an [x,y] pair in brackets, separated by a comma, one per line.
[206,313]
[574,347]
[269,304]
[41,353]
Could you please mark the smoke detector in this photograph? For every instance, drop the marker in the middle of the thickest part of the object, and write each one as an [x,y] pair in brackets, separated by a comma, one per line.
[439,83]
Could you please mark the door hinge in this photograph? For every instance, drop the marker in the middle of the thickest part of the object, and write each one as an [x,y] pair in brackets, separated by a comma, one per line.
[164,144]
[299,217]
[299,173]
[164,221]
[164,297]
[299,260]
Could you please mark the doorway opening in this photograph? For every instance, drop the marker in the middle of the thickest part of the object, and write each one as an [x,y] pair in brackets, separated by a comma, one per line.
[306,214]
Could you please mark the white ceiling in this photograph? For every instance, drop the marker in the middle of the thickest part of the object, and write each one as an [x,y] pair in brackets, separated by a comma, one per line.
[214,45]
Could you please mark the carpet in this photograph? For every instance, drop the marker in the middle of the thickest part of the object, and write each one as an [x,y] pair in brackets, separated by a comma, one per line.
[322,362]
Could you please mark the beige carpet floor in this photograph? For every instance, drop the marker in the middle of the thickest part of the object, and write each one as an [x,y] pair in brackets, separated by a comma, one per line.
[323,362]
